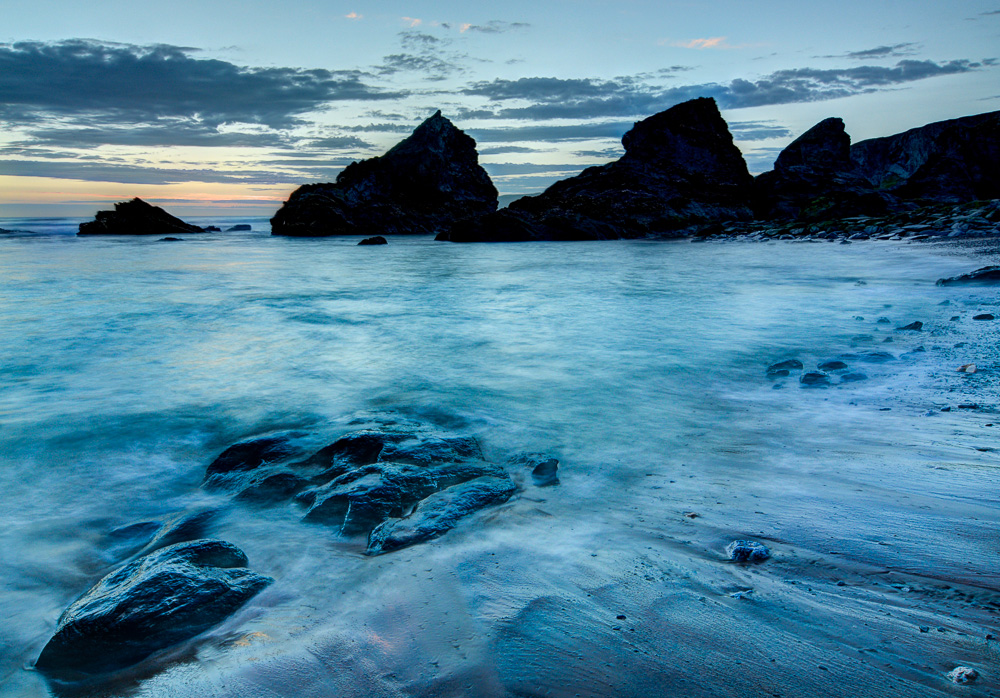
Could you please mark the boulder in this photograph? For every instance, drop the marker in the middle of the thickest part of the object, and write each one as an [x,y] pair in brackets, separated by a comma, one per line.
[422,185]
[813,179]
[439,513]
[783,368]
[377,240]
[136,217]
[987,276]
[249,455]
[680,169]
[159,600]
[814,379]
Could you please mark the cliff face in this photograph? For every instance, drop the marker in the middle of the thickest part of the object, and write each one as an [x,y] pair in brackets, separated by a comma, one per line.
[680,168]
[422,185]
[814,179]
[948,161]
[136,217]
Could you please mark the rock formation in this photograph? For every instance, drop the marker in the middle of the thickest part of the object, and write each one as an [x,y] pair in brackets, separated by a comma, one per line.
[949,161]
[680,168]
[422,185]
[814,179]
[158,600]
[136,217]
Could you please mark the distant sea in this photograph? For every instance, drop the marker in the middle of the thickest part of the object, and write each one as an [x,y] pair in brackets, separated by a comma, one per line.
[128,364]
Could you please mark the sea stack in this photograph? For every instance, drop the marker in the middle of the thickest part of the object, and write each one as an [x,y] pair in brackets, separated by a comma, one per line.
[814,179]
[680,169]
[136,217]
[422,185]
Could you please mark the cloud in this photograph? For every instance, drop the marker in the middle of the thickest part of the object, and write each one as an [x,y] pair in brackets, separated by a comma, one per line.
[556,98]
[896,50]
[548,134]
[339,143]
[412,21]
[422,53]
[160,94]
[757,130]
[493,27]
[353,15]
[714,42]
[507,149]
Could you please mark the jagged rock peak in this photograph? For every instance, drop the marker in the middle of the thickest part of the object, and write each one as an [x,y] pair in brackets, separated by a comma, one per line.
[136,217]
[690,140]
[826,146]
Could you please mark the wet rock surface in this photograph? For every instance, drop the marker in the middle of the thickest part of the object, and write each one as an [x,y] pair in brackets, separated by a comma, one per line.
[136,217]
[161,599]
[439,513]
[747,551]
[422,185]
[986,276]
[363,478]
[680,168]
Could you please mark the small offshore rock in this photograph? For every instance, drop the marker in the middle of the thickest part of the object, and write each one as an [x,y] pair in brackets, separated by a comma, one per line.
[747,551]
[983,316]
[168,239]
[832,366]
[814,379]
[967,368]
[136,217]
[882,321]
[916,326]
[377,240]
[213,229]
[160,600]
[241,227]
[963,675]
[979,277]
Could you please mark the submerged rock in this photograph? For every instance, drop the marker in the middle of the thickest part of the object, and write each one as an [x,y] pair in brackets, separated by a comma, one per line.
[136,217]
[783,368]
[422,185]
[832,366]
[544,469]
[680,168]
[979,277]
[439,513]
[747,551]
[157,601]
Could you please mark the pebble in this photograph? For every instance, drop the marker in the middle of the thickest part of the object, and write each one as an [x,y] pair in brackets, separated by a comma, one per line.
[747,551]
[963,675]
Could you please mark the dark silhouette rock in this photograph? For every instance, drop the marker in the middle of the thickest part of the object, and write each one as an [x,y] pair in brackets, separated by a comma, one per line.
[680,169]
[170,240]
[813,179]
[915,326]
[273,488]
[814,379]
[947,161]
[987,276]
[983,316]
[212,229]
[832,366]
[240,227]
[439,513]
[422,185]
[136,217]
[377,240]
[157,601]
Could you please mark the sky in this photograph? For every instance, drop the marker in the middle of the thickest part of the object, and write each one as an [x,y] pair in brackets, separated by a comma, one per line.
[214,107]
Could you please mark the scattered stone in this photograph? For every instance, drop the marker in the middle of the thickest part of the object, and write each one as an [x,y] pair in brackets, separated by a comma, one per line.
[439,513]
[832,366]
[159,600]
[783,368]
[983,316]
[967,368]
[136,217]
[747,551]
[377,240]
[979,277]
[963,675]
[814,379]
[916,326]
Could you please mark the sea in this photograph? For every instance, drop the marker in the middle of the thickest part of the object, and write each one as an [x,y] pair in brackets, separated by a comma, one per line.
[127,364]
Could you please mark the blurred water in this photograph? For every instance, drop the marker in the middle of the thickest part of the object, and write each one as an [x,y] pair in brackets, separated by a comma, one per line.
[127,364]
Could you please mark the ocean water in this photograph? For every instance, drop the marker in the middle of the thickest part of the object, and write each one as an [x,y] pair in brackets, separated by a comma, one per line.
[128,364]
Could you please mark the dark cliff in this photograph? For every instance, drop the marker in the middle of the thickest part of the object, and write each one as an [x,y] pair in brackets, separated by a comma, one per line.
[422,185]
[680,168]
